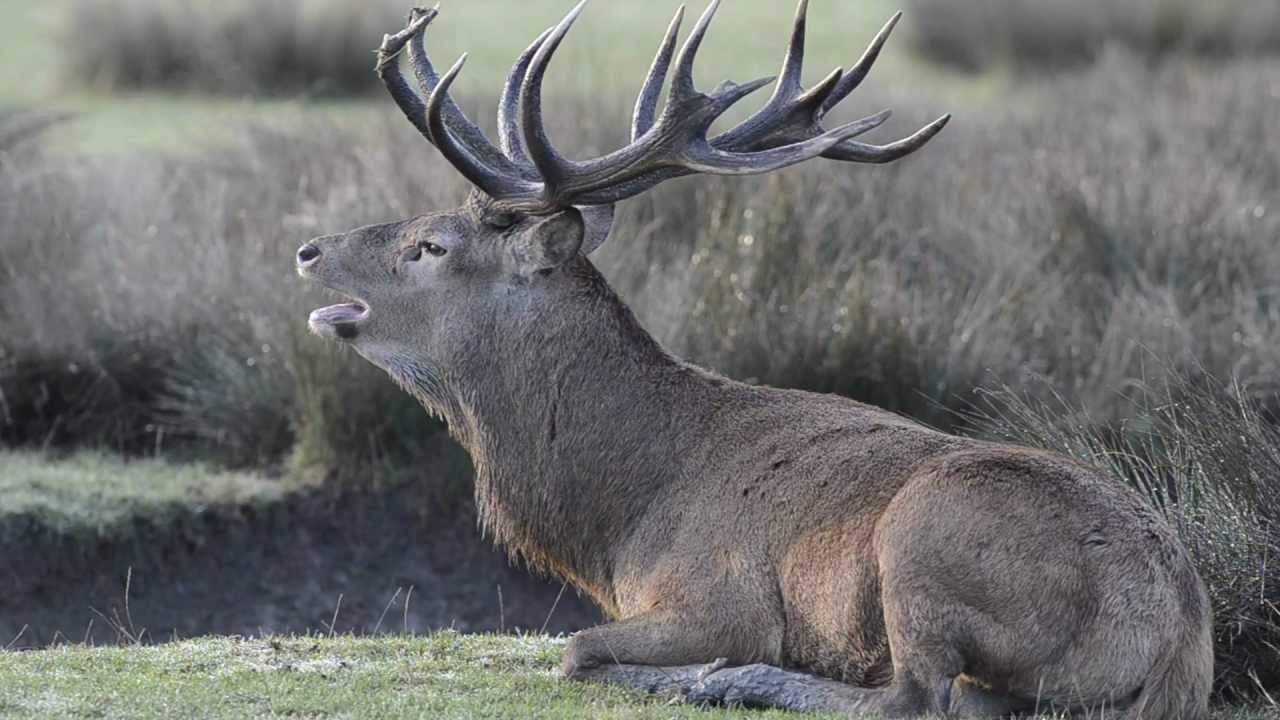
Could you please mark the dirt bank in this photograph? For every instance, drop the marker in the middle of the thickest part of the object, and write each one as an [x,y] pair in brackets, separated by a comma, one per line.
[278,569]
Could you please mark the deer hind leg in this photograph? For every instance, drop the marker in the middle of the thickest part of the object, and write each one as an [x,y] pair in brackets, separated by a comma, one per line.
[766,686]
[924,671]
[971,699]
[925,632]
[683,654]
[673,652]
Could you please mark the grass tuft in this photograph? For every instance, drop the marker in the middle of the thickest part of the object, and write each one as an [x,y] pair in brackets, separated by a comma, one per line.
[102,495]
[1207,456]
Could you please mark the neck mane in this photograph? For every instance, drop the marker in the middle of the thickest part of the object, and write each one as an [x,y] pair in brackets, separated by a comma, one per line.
[575,419]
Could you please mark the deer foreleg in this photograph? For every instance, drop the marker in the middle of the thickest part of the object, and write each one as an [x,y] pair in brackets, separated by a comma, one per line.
[675,679]
[660,651]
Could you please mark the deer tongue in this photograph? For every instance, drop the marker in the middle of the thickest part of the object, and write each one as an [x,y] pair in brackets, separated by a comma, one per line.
[344,313]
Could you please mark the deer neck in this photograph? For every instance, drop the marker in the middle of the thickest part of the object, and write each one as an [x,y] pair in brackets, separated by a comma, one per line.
[575,423]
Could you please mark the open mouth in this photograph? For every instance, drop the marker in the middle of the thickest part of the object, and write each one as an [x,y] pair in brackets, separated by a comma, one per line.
[341,321]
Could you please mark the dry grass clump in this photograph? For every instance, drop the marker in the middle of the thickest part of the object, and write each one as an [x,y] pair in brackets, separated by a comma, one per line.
[286,47]
[1208,457]
[239,47]
[1040,35]
[1131,214]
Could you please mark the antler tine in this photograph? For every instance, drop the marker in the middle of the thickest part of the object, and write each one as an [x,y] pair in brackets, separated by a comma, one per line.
[510,139]
[550,164]
[729,93]
[429,80]
[676,143]
[647,103]
[790,107]
[793,64]
[528,175]
[879,154]
[720,162]
[388,68]
[422,68]
[682,86]
[856,74]
[495,183]
[791,117]
[816,94]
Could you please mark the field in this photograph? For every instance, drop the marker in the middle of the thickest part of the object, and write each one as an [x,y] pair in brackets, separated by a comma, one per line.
[1085,260]
[445,676]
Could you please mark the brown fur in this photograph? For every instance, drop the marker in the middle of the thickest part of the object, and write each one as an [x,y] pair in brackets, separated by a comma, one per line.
[772,528]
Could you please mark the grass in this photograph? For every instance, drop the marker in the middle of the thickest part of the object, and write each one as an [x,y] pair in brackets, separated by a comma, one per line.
[280,47]
[1030,38]
[309,45]
[444,676]
[1209,458]
[102,495]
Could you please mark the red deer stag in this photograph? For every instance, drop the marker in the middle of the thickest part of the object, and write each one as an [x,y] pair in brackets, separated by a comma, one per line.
[754,546]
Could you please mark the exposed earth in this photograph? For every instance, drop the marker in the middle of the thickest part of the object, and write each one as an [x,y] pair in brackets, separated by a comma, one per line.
[290,567]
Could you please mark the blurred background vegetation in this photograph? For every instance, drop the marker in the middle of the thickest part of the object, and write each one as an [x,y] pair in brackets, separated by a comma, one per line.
[1086,259]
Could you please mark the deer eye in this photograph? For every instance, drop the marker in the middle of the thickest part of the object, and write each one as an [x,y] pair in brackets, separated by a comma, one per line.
[431,248]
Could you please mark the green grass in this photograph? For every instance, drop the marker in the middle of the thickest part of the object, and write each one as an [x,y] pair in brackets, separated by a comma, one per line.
[445,675]
[28,55]
[100,494]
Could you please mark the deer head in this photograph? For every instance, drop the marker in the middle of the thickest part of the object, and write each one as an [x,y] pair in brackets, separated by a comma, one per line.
[435,296]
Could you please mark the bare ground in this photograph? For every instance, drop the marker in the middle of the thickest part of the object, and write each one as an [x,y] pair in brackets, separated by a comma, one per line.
[288,567]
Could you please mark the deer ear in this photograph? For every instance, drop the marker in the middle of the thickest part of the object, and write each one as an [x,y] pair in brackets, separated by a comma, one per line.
[552,242]
[598,220]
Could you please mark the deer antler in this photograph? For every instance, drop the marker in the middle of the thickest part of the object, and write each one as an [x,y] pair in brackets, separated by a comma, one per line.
[526,174]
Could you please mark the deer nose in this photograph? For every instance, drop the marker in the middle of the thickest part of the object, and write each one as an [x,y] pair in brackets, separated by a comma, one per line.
[307,254]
